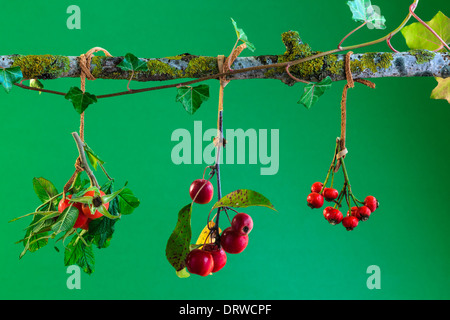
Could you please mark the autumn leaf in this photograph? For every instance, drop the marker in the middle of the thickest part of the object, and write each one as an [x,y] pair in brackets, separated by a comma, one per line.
[442,90]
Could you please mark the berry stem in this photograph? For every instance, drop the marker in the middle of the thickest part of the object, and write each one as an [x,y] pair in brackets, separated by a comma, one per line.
[331,169]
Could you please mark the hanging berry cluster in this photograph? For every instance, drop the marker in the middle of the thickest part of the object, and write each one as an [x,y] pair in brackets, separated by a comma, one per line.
[320,193]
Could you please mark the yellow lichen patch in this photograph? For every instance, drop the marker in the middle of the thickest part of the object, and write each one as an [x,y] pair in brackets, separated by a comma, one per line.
[34,66]
[96,62]
[423,56]
[333,65]
[156,67]
[375,60]
[201,66]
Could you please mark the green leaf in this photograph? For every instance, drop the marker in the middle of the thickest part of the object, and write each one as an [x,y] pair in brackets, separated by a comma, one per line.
[242,36]
[313,91]
[177,247]
[35,83]
[80,254]
[183,273]
[132,63]
[9,76]
[442,90]
[79,99]
[243,198]
[93,158]
[192,97]
[417,36]
[101,231]
[44,189]
[66,220]
[127,202]
[364,11]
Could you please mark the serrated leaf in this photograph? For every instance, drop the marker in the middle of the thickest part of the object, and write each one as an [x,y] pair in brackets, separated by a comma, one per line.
[132,63]
[177,247]
[9,76]
[44,189]
[442,90]
[313,91]
[79,99]
[80,254]
[242,36]
[364,11]
[243,198]
[127,201]
[192,97]
[66,220]
[417,36]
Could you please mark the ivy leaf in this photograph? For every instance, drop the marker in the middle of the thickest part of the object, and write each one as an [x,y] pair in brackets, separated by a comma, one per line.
[132,63]
[442,91]
[9,76]
[242,36]
[79,99]
[417,36]
[35,83]
[192,97]
[80,254]
[243,198]
[177,247]
[313,91]
[364,11]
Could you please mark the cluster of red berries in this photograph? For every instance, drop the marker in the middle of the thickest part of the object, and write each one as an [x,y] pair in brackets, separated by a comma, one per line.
[212,256]
[85,214]
[333,215]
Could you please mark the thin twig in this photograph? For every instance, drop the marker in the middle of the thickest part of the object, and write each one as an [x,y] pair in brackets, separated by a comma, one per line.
[84,163]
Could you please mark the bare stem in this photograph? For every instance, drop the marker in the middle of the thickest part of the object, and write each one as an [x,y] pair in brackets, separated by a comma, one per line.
[84,163]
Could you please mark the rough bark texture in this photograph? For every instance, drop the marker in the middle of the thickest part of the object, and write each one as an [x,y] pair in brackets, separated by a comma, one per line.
[416,63]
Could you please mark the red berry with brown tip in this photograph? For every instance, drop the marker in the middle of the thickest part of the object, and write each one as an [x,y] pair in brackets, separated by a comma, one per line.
[201,191]
[363,213]
[330,194]
[218,254]
[327,211]
[372,203]
[242,223]
[317,187]
[200,262]
[314,200]
[350,222]
[335,217]
[232,241]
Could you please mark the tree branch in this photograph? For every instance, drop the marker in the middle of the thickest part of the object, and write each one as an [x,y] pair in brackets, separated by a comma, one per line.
[416,63]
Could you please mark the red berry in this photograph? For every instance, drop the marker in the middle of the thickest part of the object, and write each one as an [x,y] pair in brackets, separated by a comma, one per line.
[218,254]
[233,242]
[200,262]
[330,194]
[86,209]
[335,217]
[201,191]
[327,211]
[371,202]
[242,223]
[363,213]
[317,187]
[353,212]
[314,200]
[350,222]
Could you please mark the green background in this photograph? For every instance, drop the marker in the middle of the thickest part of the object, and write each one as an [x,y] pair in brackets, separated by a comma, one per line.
[397,138]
